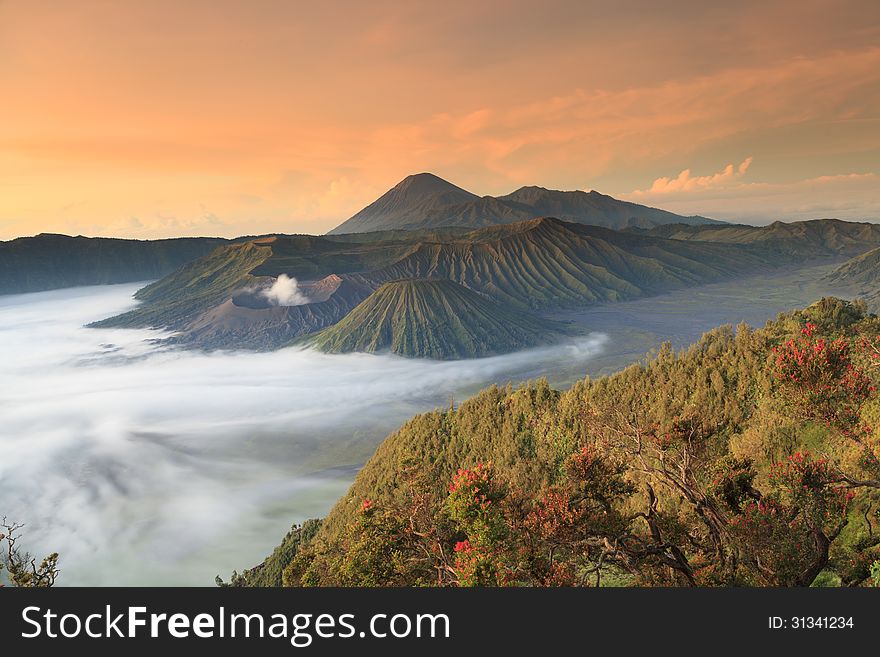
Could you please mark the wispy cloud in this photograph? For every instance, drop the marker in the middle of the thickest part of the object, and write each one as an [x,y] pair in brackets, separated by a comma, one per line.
[685,182]
[725,195]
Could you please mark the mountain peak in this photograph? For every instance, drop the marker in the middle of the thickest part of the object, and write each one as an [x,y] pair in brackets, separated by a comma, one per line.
[418,195]
[425,183]
[424,200]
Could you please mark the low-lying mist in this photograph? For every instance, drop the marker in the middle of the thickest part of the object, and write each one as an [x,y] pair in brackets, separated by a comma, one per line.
[143,465]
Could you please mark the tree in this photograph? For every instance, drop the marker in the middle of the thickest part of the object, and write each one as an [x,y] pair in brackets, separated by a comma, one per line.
[21,568]
[826,381]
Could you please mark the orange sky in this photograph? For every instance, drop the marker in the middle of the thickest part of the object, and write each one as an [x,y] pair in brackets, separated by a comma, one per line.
[157,118]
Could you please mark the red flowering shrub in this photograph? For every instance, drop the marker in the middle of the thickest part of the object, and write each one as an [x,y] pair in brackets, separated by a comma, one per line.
[477,565]
[553,518]
[774,540]
[475,503]
[812,486]
[820,377]
[476,506]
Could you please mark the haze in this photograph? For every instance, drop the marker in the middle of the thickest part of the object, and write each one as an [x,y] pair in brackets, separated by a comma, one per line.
[228,117]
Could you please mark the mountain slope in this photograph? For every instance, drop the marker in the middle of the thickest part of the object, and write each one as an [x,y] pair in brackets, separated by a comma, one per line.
[815,238]
[550,263]
[594,208]
[46,262]
[432,318]
[419,195]
[217,302]
[193,288]
[220,301]
[235,325]
[863,269]
[862,272]
[185,294]
[425,201]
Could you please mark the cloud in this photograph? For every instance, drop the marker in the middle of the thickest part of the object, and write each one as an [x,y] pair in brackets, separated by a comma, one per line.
[852,196]
[284,291]
[577,134]
[170,467]
[685,182]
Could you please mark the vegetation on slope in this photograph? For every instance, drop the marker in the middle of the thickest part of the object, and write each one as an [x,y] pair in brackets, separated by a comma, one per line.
[269,573]
[195,287]
[432,318]
[752,458]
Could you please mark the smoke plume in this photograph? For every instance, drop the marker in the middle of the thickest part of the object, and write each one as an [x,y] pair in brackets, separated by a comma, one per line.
[285,292]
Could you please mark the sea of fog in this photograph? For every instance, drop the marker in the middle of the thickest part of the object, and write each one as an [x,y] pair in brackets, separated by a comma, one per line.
[143,465]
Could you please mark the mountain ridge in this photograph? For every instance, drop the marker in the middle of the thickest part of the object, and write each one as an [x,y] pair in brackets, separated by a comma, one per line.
[51,261]
[425,200]
[532,265]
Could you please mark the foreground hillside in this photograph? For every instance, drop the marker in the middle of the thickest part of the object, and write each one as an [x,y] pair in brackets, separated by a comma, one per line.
[48,262]
[752,458]
[432,318]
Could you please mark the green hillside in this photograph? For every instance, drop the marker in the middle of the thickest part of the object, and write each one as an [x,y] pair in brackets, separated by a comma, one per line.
[432,318]
[748,459]
[194,288]
[48,262]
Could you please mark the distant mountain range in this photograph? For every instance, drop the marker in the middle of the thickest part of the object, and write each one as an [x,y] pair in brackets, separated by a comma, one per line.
[48,261]
[815,238]
[426,201]
[220,300]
